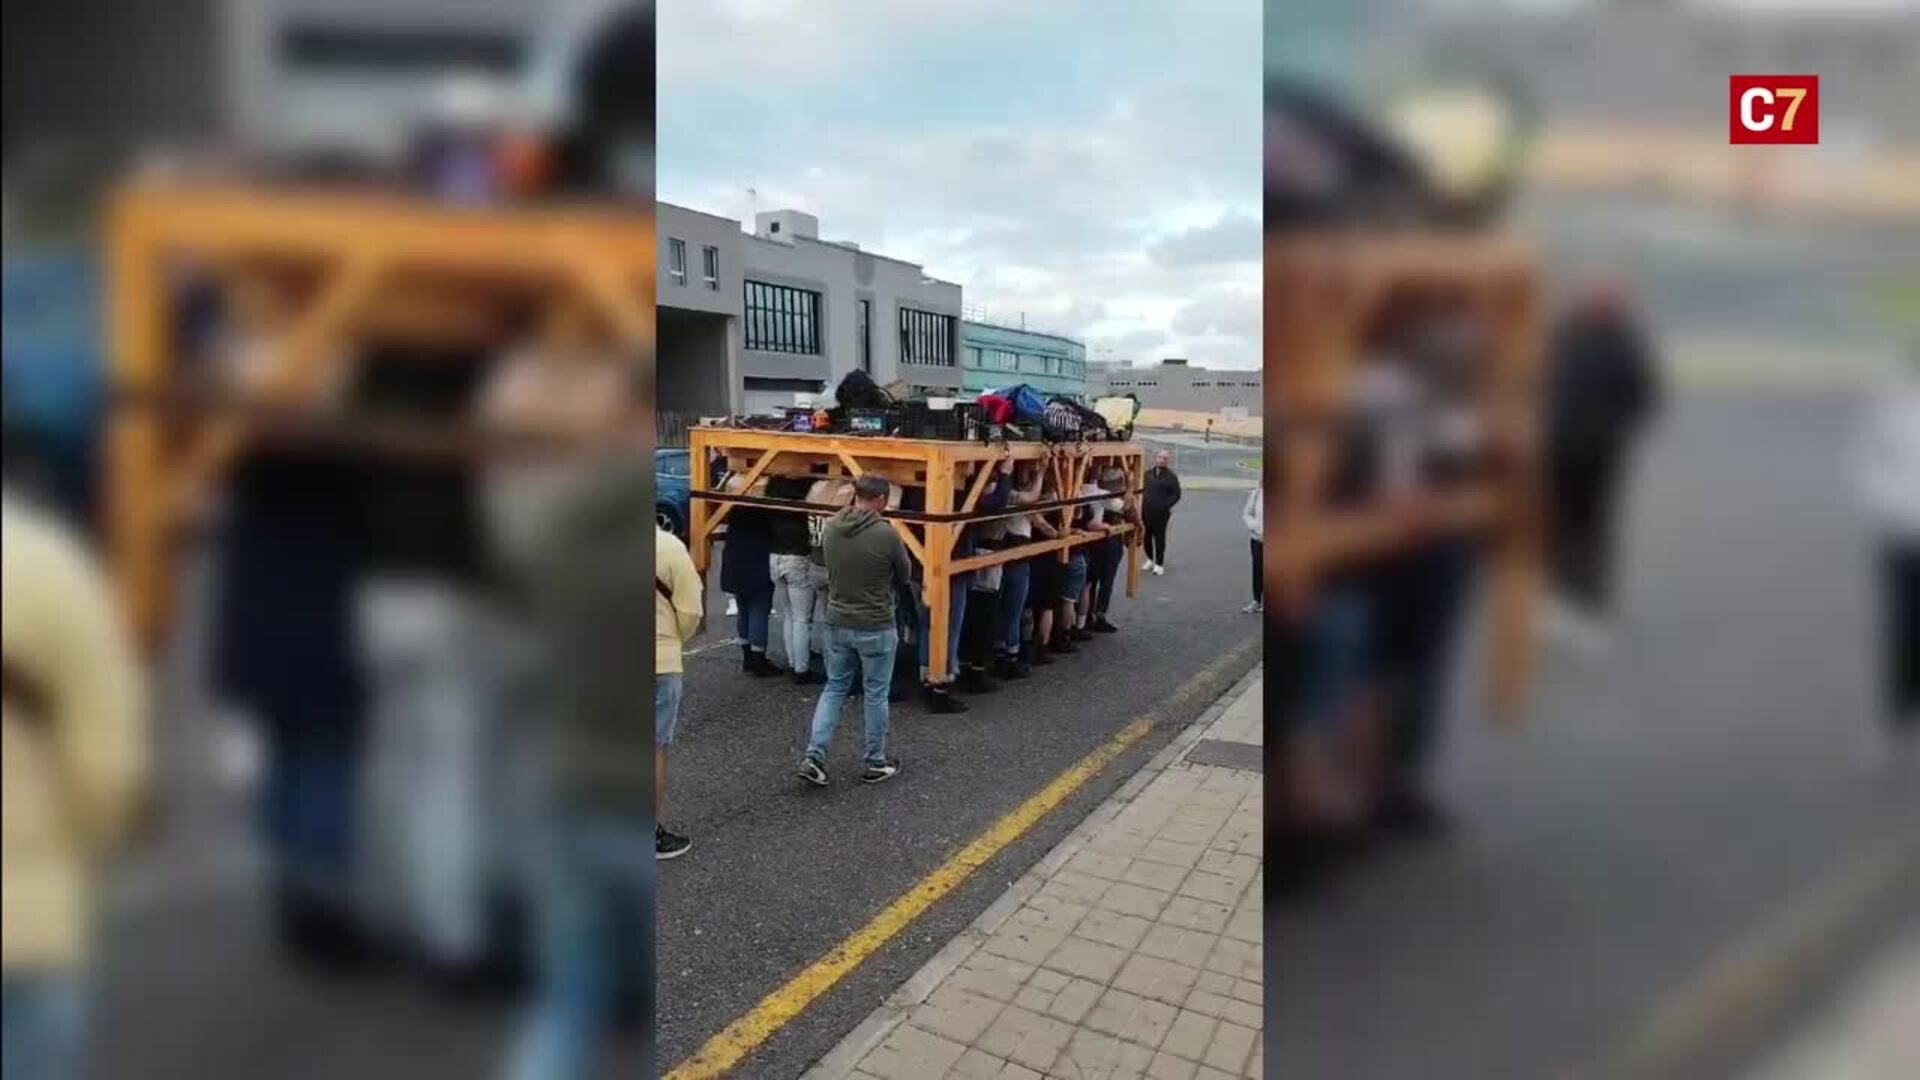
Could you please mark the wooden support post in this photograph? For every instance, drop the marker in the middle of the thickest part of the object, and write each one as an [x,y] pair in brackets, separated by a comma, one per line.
[1519,551]
[1134,466]
[936,580]
[135,484]
[700,527]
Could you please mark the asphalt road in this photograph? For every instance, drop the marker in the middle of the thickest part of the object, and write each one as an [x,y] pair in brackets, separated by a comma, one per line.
[191,987]
[1659,808]
[782,872]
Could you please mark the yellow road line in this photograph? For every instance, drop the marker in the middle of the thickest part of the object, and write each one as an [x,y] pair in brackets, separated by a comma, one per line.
[1748,982]
[738,1039]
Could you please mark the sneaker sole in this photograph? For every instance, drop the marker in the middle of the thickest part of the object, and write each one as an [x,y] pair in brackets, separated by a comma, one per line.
[668,856]
[816,781]
[879,779]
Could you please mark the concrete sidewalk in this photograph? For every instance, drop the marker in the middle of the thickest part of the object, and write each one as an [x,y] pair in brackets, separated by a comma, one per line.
[1873,1033]
[1132,950]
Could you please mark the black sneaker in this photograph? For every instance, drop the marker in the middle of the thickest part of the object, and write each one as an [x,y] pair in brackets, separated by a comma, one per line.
[1041,658]
[1064,646]
[941,702]
[1102,626]
[880,774]
[813,772]
[668,845]
[974,680]
[809,678]
[1081,633]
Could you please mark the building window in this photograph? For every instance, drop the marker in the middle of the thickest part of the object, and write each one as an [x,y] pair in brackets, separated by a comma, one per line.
[926,338]
[677,261]
[782,319]
[712,267]
[866,336]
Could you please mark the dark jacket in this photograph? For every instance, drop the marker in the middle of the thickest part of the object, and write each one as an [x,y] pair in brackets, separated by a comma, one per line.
[1162,491]
[790,532]
[746,557]
[592,591]
[1602,387]
[865,563]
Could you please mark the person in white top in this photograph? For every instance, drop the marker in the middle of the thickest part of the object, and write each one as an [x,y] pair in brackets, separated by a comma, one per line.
[1888,482]
[1254,516]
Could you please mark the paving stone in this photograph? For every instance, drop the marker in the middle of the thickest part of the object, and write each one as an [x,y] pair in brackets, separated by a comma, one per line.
[1239,959]
[1026,1038]
[1113,928]
[1168,942]
[1161,980]
[1023,943]
[1128,899]
[1232,1046]
[1087,959]
[977,1065]
[1092,1054]
[1214,887]
[994,976]
[1098,864]
[909,1053]
[1130,1016]
[1244,1014]
[1191,1034]
[1195,914]
[1172,854]
[957,1014]
[1167,1067]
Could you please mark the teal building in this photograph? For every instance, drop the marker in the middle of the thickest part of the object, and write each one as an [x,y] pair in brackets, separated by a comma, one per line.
[993,356]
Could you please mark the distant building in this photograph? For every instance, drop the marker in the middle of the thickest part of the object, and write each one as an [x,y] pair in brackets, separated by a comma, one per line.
[746,321]
[1175,384]
[993,356]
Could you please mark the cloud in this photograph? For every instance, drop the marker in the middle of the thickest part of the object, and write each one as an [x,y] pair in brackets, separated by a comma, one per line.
[1233,238]
[1103,210]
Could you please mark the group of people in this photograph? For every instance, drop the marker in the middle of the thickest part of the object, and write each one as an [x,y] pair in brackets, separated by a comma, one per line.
[1368,650]
[853,599]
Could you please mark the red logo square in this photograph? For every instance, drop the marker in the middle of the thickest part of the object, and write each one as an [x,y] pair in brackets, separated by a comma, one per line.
[1773,110]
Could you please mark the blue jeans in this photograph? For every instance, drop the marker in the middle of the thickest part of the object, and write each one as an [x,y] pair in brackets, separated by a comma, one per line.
[869,652]
[667,690]
[1014,580]
[1075,578]
[756,609]
[44,1017]
[956,618]
[1333,659]
[805,587]
[592,887]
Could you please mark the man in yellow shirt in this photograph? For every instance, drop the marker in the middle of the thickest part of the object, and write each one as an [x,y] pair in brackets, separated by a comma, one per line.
[679,605]
[75,760]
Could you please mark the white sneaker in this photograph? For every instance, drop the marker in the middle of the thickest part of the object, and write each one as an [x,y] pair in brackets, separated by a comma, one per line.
[1251,609]
[1159,571]
[1147,565]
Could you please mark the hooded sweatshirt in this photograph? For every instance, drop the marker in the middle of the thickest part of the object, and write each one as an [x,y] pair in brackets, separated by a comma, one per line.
[865,563]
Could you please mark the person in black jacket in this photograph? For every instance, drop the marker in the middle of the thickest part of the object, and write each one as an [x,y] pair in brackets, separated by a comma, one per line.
[1162,495]
[746,574]
[1602,389]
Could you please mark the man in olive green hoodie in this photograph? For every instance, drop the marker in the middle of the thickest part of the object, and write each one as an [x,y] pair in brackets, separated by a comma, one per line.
[866,563]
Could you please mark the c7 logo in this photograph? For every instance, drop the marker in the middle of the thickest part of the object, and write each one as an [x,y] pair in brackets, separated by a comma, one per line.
[1773,110]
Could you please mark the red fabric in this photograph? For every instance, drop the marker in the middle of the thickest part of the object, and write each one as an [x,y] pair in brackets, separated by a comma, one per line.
[998,410]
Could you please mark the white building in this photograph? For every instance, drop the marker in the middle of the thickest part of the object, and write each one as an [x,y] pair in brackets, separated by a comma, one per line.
[748,320]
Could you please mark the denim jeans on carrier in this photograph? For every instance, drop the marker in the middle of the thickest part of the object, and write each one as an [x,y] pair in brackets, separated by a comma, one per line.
[869,652]
[592,885]
[1014,580]
[755,610]
[959,587]
[800,585]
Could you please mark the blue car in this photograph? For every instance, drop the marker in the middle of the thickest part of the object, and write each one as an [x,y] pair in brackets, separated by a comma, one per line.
[673,501]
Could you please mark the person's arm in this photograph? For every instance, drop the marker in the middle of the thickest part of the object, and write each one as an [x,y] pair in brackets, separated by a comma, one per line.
[97,698]
[902,564]
[689,595]
[1250,514]
[1175,478]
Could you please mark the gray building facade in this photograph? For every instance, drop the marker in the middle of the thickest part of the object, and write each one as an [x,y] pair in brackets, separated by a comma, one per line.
[749,320]
[1175,384]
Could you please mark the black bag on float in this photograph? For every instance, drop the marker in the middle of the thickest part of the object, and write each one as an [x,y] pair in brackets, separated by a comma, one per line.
[1327,165]
[859,391]
[1066,420]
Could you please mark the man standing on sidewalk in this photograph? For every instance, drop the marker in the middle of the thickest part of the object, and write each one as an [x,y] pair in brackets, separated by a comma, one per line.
[1162,495]
[866,563]
[1254,517]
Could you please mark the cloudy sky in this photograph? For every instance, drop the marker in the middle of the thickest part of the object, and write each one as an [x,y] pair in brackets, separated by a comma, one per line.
[1092,163]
